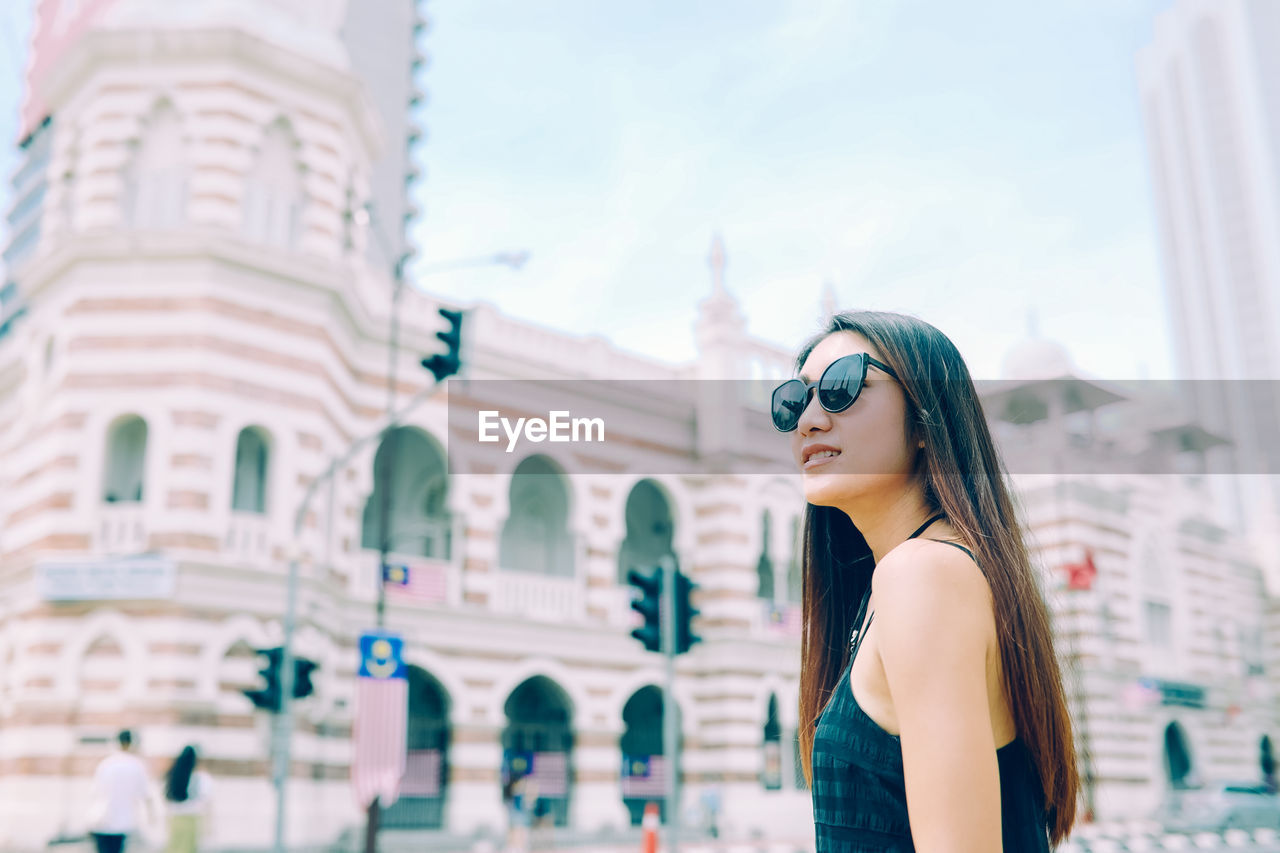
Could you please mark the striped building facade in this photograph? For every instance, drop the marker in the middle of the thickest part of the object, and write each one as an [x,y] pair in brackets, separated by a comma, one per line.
[206,327]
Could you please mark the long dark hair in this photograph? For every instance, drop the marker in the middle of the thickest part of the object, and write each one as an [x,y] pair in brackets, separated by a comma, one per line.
[964,477]
[177,786]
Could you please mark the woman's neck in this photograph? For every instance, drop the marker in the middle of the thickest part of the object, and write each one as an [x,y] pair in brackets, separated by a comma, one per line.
[887,524]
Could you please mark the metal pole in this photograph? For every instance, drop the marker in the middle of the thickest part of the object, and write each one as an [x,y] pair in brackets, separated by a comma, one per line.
[390,442]
[283,728]
[670,725]
[389,448]
[284,719]
[388,452]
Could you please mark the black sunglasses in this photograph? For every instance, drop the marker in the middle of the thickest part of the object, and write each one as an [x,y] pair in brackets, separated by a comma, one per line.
[839,385]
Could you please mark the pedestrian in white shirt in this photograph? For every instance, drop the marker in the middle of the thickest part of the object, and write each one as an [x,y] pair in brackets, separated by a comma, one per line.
[186,794]
[122,789]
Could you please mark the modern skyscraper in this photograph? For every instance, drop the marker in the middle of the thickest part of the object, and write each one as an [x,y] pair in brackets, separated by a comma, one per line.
[1210,88]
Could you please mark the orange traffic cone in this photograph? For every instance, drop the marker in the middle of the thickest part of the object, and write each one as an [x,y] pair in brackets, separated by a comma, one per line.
[650,826]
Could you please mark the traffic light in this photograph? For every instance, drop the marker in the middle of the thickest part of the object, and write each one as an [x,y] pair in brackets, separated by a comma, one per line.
[648,605]
[268,698]
[685,638]
[302,686]
[448,363]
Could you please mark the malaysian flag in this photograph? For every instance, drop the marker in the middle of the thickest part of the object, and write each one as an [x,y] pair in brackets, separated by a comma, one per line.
[644,776]
[422,770]
[424,582]
[381,724]
[1140,694]
[782,618]
[1080,576]
[551,772]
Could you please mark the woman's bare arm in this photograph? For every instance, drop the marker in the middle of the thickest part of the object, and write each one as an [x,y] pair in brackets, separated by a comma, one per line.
[936,625]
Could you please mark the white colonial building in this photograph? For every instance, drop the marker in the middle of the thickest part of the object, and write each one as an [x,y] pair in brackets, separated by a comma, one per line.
[1172,650]
[204,326]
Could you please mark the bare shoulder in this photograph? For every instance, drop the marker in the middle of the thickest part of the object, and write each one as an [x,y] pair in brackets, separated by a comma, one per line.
[923,584]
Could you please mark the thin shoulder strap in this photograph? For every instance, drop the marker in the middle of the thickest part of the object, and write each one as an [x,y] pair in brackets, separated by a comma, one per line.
[856,640]
[957,545]
[923,527]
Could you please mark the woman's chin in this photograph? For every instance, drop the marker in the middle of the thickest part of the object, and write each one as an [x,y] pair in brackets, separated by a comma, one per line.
[834,488]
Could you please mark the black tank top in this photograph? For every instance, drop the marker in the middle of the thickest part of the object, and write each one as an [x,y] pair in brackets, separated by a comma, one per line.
[859,792]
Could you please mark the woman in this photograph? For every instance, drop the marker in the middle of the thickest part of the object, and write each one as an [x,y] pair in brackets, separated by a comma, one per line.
[942,724]
[187,793]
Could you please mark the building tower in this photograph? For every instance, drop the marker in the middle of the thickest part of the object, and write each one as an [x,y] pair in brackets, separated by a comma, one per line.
[1210,88]
[196,294]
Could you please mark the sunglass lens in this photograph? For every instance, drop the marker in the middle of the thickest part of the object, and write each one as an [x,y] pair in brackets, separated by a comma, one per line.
[840,384]
[788,404]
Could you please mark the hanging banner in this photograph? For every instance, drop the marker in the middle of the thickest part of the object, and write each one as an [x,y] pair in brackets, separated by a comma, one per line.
[379,736]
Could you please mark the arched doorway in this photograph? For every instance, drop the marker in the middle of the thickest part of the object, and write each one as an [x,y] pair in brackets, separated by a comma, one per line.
[426,768]
[1177,757]
[644,763]
[649,530]
[538,739]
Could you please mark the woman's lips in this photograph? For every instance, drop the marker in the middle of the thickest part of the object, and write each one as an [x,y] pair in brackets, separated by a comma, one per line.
[820,459]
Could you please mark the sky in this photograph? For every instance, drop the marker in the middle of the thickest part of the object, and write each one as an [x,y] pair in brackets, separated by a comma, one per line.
[976,164]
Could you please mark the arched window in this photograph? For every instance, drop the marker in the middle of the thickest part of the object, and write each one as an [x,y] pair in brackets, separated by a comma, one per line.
[795,569]
[126,460]
[273,191]
[249,486]
[536,536]
[1177,757]
[66,207]
[771,776]
[156,180]
[764,566]
[410,470]
[650,530]
[350,213]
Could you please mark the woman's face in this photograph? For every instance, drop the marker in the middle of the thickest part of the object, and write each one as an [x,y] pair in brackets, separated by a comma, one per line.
[874,453]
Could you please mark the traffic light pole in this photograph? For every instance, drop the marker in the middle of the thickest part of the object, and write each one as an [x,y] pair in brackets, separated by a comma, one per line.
[670,725]
[284,719]
[283,730]
[388,463]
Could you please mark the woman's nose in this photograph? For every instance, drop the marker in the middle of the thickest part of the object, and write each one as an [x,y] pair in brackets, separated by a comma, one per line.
[813,416]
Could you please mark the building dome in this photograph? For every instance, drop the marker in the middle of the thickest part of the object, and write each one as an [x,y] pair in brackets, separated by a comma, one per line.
[1037,358]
